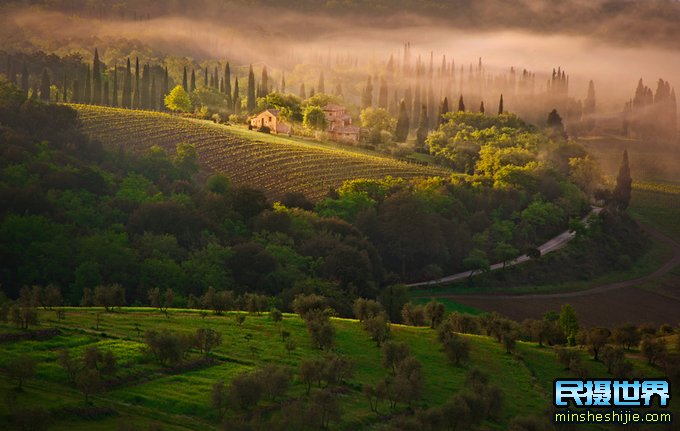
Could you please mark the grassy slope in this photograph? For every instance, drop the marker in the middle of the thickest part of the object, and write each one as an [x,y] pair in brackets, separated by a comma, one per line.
[276,164]
[181,401]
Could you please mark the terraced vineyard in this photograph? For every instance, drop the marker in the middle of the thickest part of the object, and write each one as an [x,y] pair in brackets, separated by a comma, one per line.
[287,165]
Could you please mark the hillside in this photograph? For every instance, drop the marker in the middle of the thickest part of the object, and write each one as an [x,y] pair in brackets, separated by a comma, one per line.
[145,393]
[273,164]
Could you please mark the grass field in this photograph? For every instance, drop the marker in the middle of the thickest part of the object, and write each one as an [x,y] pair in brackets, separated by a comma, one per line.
[275,164]
[152,395]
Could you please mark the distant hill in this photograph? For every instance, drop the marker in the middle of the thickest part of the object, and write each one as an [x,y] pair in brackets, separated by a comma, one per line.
[274,164]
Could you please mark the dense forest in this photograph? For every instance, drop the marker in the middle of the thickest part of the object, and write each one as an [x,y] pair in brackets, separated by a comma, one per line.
[76,215]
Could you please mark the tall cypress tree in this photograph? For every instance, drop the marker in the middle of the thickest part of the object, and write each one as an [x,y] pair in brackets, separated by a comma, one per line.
[431,103]
[165,90]
[416,113]
[45,86]
[63,87]
[264,83]
[96,79]
[217,79]
[105,95]
[137,99]
[367,95]
[88,86]
[192,87]
[382,94]
[481,107]
[236,98]
[250,101]
[185,85]
[421,133]
[114,98]
[152,93]
[500,106]
[227,86]
[205,77]
[127,86]
[322,86]
[461,104]
[303,94]
[443,110]
[401,131]
[75,92]
[283,83]
[145,100]
[24,78]
[623,188]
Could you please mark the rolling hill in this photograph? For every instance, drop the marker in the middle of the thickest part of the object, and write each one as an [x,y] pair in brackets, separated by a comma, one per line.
[145,393]
[274,164]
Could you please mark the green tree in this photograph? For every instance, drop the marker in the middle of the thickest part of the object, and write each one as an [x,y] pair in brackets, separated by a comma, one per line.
[623,188]
[569,323]
[251,102]
[45,86]
[500,106]
[402,128]
[178,100]
[421,132]
[96,79]
[314,118]
[21,369]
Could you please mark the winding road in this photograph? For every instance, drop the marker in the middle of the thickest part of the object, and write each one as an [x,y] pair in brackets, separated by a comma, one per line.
[556,243]
[607,304]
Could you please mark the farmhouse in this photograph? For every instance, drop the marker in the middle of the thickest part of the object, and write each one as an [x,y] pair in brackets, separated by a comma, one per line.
[270,119]
[340,125]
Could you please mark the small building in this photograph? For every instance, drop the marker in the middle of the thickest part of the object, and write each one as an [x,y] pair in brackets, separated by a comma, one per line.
[270,119]
[340,126]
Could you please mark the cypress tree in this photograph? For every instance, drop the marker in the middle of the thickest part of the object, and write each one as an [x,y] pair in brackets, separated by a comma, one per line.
[236,98]
[63,87]
[105,95]
[264,83]
[401,132]
[431,103]
[221,86]
[250,101]
[96,79]
[8,70]
[12,71]
[461,104]
[152,94]
[227,86]
[321,87]
[382,95]
[205,77]
[303,96]
[137,101]
[75,92]
[283,83]
[367,95]
[624,183]
[421,133]
[500,106]
[184,80]
[311,92]
[193,81]
[88,86]
[114,98]
[481,107]
[443,110]
[127,86]
[45,86]
[338,89]
[416,103]
[165,90]
[217,79]
[144,100]
[24,78]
